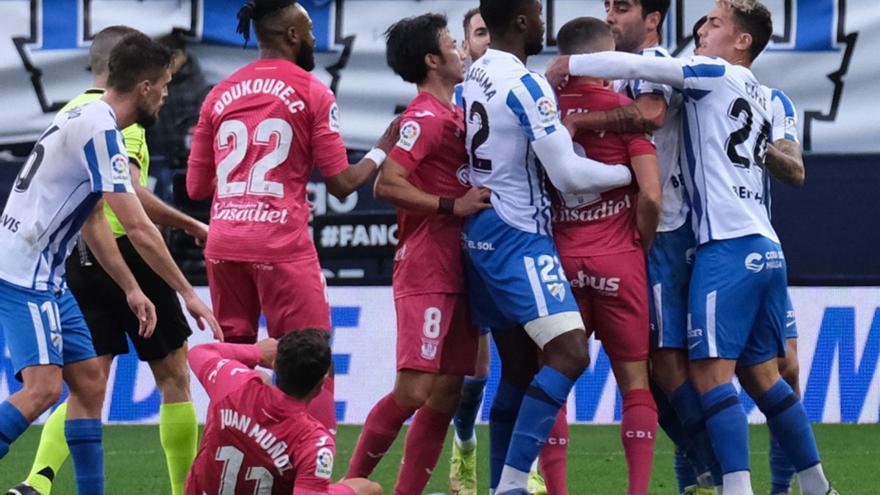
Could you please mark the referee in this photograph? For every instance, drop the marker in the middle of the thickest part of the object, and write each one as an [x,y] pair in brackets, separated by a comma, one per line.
[104,305]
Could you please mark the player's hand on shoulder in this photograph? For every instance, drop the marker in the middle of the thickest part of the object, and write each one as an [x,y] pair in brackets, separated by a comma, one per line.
[202,314]
[145,311]
[268,350]
[390,136]
[557,72]
[473,201]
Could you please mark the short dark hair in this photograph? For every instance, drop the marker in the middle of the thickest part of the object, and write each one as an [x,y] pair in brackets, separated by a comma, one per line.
[102,44]
[467,19]
[302,360]
[498,14]
[754,18]
[134,59]
[584,35]
[651,6]
[408,41]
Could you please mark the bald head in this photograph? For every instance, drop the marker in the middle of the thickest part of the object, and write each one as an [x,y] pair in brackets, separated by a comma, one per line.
[102,45]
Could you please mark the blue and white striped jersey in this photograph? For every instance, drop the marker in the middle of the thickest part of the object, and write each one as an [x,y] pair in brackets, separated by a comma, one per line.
[785,121]
[727,122]
[79,157]
[674,208]
[507,107]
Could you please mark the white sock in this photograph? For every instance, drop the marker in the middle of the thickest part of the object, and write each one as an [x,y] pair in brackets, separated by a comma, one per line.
[512,479]
[813,481]
[738,483]
[466,445]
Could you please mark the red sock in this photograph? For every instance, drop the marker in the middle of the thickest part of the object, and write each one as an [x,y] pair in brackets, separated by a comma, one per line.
[638,428]
[323,407]
[424,442]
[552,458]
[382,426]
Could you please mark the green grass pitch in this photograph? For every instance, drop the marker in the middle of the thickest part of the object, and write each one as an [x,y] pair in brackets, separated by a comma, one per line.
[135,464]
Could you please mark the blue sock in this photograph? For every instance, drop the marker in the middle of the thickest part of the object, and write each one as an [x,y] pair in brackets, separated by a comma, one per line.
[684,471]
[84,440]
[686,401]
[502,417]
[789,425]
[781,470]
[12,425]
[466,414]
[537,415]
[728,427]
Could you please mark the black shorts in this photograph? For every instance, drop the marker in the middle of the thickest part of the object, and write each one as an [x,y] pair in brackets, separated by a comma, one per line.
[106,310]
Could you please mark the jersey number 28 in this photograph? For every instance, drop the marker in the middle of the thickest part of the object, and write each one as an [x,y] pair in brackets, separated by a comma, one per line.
[741,109]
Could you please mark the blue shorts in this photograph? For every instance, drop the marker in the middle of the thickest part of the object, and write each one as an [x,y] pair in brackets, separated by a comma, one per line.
[791,331]
[514,277]
[738,300]
[670,263]
[43,328]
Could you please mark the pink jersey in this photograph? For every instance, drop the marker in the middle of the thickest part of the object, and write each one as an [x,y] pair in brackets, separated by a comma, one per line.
[431,148]
[260,132]
[591,225]
[257,438]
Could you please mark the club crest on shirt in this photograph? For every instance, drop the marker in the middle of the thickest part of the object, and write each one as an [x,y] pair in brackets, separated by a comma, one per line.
[557,291]
[429,349]
[409,135]
[324,463]
[546,110]
[119,166]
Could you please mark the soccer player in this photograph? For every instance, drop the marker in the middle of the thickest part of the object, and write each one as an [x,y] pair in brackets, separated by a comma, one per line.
[103,304]
[259,437]
[602,240]
[517,286]
[423,177]
[463,463]
[78,161]
[738,293]
[260,133]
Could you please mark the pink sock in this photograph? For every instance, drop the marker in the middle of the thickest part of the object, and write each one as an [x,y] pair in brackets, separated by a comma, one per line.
[382,426]
[552,457]
[323,407]
[638,428]
[424,442]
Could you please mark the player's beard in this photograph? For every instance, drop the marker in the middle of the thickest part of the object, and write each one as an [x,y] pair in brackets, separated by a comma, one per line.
[146,119]
[306,57]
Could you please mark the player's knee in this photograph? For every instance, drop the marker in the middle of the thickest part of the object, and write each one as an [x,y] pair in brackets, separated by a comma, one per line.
[789,369]
[570,360]
[44,394]
[174,386]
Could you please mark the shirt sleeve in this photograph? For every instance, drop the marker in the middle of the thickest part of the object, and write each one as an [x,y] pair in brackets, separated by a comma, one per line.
[107,162]
[328,149]
[640,87]
[785,124]
[419,138]
[314,464]
[534,104]
[135,144]
[224,368]
[639,144]
[201,177]
[702,75]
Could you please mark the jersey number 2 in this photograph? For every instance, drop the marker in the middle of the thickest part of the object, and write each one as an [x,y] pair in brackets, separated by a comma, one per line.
[480,138]
[234,133]
[232,459]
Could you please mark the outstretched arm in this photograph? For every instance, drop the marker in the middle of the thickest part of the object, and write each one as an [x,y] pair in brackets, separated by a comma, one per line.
[222,368]
[572,174]
[646,114]
[617,65]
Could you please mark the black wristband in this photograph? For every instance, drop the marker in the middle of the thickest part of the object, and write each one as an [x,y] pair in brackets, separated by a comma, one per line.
[446,207]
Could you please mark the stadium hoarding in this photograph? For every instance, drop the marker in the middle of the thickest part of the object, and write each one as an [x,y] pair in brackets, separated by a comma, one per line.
[839,349]
[821,56]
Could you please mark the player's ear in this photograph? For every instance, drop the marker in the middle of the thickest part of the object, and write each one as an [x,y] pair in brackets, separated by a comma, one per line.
[432,61]
[521,23]
[144,87]
[652,21]
[743,42]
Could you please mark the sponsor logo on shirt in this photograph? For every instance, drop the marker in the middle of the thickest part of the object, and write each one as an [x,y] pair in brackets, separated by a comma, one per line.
[608,286]
[755,262]
[409,135]
[324,463]
[9,222]
[119,167]
[248,212]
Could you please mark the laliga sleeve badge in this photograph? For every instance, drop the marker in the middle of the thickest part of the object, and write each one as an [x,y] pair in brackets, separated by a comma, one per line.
[546,111]
[409,135]
[334,118]
[324,463]
[119,168]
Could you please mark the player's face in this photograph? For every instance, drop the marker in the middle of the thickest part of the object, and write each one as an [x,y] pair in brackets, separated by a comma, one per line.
[153,94]
[696,32]
[452,68]
[627,24]
[534,28]
[305,58]
[719,36]
[476,41]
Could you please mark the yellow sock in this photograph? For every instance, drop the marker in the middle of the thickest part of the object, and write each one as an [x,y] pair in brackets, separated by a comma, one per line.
[179,435]
[51,453]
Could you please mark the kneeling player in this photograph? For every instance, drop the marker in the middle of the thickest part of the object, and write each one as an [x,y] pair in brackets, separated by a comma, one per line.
[436,344]
[601,239]
[259,438]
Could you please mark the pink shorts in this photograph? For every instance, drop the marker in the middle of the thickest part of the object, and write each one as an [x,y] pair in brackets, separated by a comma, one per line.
[612,294]
[435,334]
[292,295]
